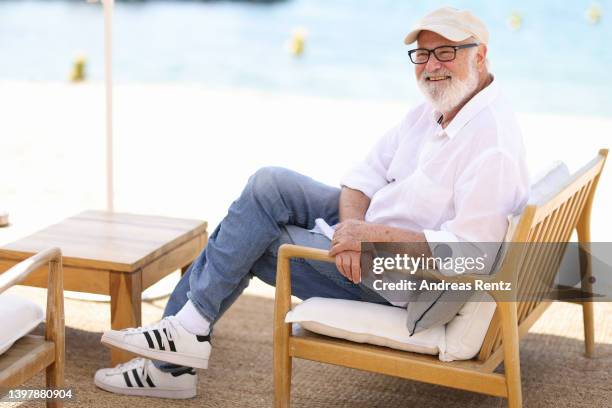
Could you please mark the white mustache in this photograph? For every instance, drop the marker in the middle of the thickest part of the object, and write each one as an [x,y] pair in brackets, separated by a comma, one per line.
[427,75]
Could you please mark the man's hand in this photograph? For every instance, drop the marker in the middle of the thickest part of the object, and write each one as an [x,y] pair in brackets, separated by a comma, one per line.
[346,247]
[347,263]
[348,236]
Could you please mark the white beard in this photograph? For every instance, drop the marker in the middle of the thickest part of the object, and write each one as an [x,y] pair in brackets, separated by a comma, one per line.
[445,95]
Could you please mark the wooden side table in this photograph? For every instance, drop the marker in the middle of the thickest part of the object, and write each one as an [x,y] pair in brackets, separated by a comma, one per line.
[113,254]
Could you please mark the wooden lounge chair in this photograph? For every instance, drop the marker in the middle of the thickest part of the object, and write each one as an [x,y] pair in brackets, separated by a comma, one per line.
[32,354]
[550,222]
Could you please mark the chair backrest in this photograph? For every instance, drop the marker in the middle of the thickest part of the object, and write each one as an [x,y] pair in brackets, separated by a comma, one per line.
[551,221]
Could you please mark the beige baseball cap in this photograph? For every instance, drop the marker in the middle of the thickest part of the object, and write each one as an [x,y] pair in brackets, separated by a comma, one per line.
[451,23]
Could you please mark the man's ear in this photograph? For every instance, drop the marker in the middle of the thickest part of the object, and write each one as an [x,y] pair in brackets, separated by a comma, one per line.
[481,57]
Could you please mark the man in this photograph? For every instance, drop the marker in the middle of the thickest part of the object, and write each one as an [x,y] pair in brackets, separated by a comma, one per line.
[450,171]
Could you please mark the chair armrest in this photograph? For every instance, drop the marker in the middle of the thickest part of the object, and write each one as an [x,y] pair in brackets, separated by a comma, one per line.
[54,327]
[297,251]
[288,251]
[283,272]
[282,296]
[19,272]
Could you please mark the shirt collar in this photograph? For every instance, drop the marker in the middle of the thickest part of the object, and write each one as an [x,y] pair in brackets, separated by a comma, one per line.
[478,102]
[436,115]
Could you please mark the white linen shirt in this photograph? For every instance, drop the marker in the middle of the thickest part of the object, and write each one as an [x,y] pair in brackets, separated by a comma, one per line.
[457,184]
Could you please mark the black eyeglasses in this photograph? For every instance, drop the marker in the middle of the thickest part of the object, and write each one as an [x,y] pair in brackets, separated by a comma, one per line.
[443,53]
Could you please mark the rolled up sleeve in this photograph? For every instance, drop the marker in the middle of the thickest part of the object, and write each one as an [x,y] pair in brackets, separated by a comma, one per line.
[370,175]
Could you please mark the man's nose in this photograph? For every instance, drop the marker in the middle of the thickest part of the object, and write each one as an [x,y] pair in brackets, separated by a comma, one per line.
[433,63]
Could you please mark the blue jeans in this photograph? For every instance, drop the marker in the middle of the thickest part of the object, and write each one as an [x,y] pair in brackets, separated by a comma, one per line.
[246,242]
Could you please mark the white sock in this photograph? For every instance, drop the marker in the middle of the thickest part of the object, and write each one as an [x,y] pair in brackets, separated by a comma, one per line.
[192,320]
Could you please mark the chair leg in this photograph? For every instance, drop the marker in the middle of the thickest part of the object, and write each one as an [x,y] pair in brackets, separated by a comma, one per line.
[510,344]
[282,373]
[55,379]
[55,330]
[589,328]
[587,287]
[55,374]
[282,331]
[586,274]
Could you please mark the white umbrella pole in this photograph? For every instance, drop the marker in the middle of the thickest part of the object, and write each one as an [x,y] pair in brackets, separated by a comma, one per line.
[108,83]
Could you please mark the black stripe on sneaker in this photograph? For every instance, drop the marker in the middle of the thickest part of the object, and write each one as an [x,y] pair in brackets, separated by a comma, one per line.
[158,337]
[150,382]
[149,340]
[202,339]
[126,377]
[170,342]
[135,374]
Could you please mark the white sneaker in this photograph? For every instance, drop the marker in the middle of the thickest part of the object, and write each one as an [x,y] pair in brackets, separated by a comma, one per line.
[166,341]
[140,377]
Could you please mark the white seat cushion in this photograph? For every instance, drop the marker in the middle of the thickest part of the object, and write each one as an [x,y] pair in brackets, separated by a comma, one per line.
[381,325]
[466,332]
[365,322]
[19,316]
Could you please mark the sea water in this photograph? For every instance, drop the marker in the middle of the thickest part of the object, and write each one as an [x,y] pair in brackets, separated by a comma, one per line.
[548,55]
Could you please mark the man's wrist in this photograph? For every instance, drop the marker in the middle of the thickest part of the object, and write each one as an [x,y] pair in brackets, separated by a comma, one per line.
[350,216]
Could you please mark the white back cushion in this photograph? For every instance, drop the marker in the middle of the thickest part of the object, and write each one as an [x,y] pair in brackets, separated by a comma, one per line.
[548,182]
[19,316]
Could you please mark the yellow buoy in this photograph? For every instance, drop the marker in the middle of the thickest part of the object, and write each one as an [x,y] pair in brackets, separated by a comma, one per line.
[515,21]
[78,69]
[593,13]
[295,45]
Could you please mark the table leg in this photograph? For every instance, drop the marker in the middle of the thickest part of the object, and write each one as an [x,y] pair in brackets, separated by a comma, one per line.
[184,269]
[126,291]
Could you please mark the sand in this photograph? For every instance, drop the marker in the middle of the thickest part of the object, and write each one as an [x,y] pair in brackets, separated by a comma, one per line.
[554,370]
